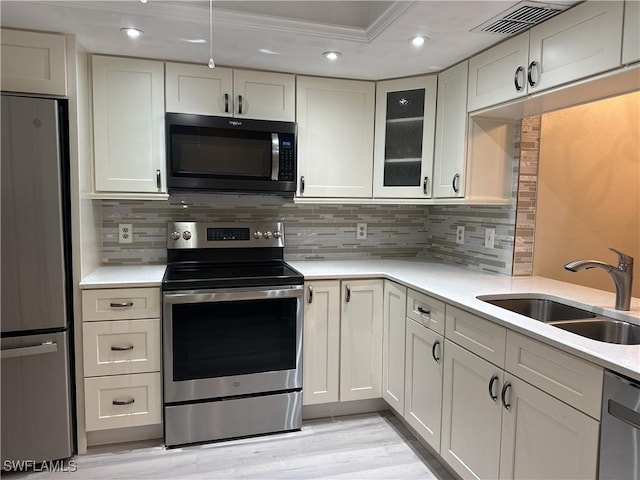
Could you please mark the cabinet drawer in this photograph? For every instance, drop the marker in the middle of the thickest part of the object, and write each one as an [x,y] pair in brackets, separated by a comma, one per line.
[122,346]
[480,336]
[566,377]
[426,310]
[120,304]
[122,401]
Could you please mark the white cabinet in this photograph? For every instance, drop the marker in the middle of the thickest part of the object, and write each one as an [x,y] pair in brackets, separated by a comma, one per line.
[471,414]
[128,127]
[451,133]
[424,362]
[543,437]
[335,137]
[631,32]
[361,340]
[33,62]
[121,357]
[393,345]
[228,92]
[321,352]
[404,134]
[342,341]
[558,51]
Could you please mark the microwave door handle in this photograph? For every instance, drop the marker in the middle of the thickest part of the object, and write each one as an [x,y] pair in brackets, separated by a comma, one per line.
[275,156]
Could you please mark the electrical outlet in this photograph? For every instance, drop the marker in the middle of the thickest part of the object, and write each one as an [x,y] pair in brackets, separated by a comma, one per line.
[460,235]
[489,237]
[361,231]
[125,233]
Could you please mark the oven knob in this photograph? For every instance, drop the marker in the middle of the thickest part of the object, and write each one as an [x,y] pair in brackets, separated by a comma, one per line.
[186,235]
[257,235]
[277,234]
[175,235]
[267,234]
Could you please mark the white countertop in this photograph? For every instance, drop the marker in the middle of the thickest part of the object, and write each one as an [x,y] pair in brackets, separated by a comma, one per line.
[125,276]
[460,287]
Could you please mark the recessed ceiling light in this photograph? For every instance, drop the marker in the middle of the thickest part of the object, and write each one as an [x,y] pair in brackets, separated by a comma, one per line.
[418,40]
[332,55]
[131,32]
[266,51]
[193,40]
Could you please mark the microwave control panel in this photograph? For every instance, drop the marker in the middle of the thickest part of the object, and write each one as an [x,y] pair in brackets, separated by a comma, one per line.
[287,161]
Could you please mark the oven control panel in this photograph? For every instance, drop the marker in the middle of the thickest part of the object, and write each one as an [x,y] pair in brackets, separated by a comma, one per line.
[224,235]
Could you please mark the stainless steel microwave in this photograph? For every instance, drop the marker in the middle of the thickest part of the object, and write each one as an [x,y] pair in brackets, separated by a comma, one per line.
[230,155]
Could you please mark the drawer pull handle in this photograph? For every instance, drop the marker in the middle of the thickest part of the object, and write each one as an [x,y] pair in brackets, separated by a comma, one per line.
[119,403]
[533,65]
[436,344]
[348,294]
[121,348]
[121,304]
[226,103]
[516,78]
[455,184]
[423,311]
[310,294]
[425,185]
[506,387]
[493,380]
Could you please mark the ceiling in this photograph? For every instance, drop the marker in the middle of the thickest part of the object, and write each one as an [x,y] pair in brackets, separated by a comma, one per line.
[287,36]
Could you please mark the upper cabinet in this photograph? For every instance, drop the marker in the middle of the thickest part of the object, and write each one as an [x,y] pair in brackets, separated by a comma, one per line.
[335,137]
[631,32]
[128,127]
[33,62]
[229,92]
[451,133]
[558,51]
[404,133]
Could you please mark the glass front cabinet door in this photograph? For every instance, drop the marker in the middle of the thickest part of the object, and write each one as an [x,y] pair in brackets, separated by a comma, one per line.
[404,136]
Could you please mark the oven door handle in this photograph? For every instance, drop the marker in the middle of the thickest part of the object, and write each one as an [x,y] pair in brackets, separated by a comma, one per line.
[232,295]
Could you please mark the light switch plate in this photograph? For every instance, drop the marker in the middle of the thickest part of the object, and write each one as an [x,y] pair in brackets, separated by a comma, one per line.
[361,231]
[489,237]
[460,235]
[125,233]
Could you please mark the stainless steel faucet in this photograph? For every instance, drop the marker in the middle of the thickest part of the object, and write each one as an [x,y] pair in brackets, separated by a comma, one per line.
[622,275]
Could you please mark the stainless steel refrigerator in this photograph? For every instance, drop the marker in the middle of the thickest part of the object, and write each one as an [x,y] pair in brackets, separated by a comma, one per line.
[36,395]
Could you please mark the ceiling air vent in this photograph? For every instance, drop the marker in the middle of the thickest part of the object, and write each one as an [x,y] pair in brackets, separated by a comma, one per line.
[520,17]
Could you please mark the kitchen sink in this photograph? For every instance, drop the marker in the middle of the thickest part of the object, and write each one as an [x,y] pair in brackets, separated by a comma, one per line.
[542,309]
[572,319]
[603,329]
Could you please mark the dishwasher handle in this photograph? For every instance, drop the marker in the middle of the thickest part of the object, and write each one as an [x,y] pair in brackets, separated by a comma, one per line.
[623,413]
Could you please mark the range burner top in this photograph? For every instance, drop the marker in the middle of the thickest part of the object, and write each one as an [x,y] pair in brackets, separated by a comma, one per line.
[213,255]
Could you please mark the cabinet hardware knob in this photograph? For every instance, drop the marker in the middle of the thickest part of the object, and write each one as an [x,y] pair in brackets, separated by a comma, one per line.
[436,344]
[532,65]
[121,348]
[455,184]
[506,404]
[310,294]
[123,402]
[493,380]
[516,78]
[348,294]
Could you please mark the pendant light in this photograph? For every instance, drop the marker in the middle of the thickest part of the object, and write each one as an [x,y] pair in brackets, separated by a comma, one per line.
[211,62]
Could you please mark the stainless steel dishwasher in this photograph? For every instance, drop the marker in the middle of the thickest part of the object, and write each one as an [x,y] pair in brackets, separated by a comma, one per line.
[620,431]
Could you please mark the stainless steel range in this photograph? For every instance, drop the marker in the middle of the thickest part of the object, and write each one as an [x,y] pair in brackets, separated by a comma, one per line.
[232,333]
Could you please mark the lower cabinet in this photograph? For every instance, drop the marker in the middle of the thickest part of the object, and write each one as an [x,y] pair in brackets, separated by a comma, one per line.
[393,348]
[342,341]
[423,381]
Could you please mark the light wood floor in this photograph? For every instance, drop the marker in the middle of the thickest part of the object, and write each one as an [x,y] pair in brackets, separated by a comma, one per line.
[368,446]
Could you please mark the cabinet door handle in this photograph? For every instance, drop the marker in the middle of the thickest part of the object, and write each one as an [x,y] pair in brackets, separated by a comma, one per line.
[532,65]
[302,184]
[425,184]
[226,103]
[158,179]
[506,387]
[436,344]
[310,294]
[423,311]
[455,184]
[129,401]
[121,348]
[516,78]
[493,380]
[348,294]
[121,304]
[239,104]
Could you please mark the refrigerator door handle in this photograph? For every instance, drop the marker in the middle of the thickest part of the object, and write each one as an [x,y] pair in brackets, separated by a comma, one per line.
[45,347]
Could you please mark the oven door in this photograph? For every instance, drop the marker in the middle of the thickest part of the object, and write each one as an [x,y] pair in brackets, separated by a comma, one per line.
[221,343]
